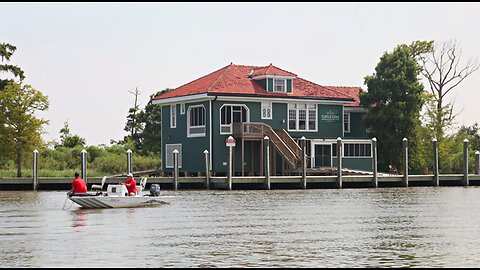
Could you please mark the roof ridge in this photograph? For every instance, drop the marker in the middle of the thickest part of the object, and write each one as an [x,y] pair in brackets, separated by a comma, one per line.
[220,76]
[325,87]
[200,78]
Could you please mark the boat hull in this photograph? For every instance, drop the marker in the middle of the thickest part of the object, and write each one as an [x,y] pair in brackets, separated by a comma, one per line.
[97,202]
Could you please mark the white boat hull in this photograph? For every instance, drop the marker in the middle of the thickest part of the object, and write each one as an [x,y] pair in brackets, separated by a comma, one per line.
[94,202]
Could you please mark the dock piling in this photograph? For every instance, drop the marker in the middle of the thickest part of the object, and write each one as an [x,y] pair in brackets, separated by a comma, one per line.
[375,164]
[35,169]
[175,169]
[84,165]
[339,162]
[465,163]
[436,179]
[266,143]
[405,162]
[207,170]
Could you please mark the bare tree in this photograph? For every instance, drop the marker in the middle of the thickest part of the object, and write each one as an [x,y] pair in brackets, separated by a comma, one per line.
[444,72]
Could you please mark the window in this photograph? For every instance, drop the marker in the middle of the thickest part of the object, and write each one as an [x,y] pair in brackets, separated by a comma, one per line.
[182,108]
[196,121]
[302,117]
[266,110]
[232,114]
[346,122]
[173,116]
[279,85]
[357,150]
[169,155]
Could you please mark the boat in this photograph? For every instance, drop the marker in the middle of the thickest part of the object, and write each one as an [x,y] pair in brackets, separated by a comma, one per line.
[117,197]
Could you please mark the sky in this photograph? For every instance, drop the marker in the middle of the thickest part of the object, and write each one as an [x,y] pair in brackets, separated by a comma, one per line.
[88,57]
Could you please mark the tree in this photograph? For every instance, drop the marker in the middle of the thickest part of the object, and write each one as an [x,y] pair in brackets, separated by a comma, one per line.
[6,51]
[68,140]
[134,125]
[393,102]
[442,69]
[21,131]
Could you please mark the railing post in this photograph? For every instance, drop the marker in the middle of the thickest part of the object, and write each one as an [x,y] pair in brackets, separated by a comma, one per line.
[339,162]
[35,169]
[129,161]
[84,165]
[175,168]
[266,143]
[465,163]
[374,161]
[405,162]
[303,143]
[436,177]
[477,162]
[207,169]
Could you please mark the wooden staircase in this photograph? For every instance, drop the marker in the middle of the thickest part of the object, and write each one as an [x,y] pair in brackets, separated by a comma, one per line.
[281,140]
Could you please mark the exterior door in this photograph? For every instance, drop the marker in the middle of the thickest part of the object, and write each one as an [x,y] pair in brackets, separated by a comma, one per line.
[323,155]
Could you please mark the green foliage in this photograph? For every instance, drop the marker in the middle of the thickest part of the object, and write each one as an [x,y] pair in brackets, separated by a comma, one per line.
[6,51]
[393,103]
[20,130]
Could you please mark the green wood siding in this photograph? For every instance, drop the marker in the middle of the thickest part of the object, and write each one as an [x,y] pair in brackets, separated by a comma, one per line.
[363,164]
[193,159]
[357,126]
[262,83]
[289,86]
[270,85]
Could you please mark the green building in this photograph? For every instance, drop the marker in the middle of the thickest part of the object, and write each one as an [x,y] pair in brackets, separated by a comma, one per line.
[251,102]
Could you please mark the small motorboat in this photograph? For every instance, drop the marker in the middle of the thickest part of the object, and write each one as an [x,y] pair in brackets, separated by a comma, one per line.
[117,197]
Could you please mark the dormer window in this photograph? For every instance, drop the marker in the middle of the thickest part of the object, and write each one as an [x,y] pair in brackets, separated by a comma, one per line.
[280,85]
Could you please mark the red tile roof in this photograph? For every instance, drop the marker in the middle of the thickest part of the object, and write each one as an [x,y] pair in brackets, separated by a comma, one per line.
[234,79]
[353,92]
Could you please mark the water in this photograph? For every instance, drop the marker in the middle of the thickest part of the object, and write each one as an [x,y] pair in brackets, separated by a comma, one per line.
[384,227]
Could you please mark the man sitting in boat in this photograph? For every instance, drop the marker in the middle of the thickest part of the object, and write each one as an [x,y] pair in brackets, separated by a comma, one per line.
[79,186]
[131,185]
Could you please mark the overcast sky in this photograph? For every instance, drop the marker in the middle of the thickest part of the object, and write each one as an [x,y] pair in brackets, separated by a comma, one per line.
[86,57]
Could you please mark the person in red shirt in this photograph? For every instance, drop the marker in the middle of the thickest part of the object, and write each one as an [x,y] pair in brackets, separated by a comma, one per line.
[131,185]
[78,185]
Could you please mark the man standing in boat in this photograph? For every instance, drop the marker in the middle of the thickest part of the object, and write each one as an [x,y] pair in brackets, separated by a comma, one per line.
[131,185]
[78,186]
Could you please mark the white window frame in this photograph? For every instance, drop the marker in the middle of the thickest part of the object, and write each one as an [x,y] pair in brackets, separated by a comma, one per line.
[177,146]
[366,145]
[189,134]
[267,106]
[297,118]
[173,116]
[276,82]
[347,130]
[230,126]
[182,108]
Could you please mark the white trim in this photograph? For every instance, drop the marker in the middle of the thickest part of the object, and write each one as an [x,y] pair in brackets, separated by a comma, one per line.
[181,99]
[173,110]
[231,124]
[284,86]
[261,77]
[180,156]
[204,97]
[349,123]
[354,109]
[281,100]
[188,122]
[271,110]
[182,108]
[297,117]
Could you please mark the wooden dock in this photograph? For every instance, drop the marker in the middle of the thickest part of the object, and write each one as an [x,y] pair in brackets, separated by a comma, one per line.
[257,182]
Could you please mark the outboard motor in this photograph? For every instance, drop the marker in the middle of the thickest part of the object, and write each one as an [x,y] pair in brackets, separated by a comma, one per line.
[155,190]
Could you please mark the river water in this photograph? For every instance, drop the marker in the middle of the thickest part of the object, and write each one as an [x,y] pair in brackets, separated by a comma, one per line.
[384,227]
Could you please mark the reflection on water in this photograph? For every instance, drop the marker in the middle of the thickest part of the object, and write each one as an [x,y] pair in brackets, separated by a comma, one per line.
[385,227]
